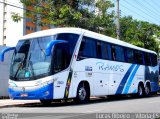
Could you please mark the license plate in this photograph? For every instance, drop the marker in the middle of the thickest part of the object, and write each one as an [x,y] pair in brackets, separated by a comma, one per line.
[24,95]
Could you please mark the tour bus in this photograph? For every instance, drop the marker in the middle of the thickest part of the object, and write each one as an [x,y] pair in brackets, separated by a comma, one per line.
[74,63]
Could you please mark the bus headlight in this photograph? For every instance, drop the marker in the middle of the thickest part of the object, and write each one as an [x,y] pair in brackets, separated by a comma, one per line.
[11,84]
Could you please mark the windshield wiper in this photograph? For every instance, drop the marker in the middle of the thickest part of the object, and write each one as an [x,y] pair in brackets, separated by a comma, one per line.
[20,66]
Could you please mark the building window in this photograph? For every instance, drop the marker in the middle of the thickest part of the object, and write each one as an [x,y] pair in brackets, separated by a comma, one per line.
[28,20]
[30,28]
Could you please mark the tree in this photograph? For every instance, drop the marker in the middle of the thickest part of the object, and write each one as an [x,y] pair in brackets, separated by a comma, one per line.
[95,16]
[73,13]
[103,22]
[139,33]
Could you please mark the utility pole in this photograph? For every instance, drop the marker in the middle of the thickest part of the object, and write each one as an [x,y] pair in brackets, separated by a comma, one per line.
[118,24]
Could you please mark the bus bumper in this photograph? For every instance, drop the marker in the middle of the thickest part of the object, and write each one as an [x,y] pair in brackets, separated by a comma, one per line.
[24,93]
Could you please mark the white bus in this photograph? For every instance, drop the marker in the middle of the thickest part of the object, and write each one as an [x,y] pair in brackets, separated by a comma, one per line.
[65,63]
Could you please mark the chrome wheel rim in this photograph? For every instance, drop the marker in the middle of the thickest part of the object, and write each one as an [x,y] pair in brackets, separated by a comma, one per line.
[82,93]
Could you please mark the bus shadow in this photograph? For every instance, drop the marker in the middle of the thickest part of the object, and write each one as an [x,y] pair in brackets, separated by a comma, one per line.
[92,101]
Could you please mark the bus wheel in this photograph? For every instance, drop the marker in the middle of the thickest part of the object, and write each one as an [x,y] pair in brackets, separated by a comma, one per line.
[147,90]
[140,92]
[46,102]
[82,93]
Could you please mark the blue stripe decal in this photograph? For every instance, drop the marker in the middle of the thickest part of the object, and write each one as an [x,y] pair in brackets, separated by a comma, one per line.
[121,85]
[130,80]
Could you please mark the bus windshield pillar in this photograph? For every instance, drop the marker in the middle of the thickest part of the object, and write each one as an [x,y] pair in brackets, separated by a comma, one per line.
[4,51]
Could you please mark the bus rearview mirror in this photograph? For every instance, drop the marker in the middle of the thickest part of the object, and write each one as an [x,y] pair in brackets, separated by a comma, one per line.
[4,51]
[52,44]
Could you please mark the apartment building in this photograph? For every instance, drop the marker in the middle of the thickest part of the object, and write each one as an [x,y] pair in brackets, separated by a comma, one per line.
[10,31]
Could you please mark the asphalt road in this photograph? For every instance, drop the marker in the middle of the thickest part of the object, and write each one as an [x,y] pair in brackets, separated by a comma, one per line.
[90,110]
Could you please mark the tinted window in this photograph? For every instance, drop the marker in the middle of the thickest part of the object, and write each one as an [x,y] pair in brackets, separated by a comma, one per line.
[87,48]
[154,59]
[71,38]
[61,57]
[147,59]
[117,53]
[109,51]
[103,50]
[62,53]
[138,57]
[129,56]
[99,49]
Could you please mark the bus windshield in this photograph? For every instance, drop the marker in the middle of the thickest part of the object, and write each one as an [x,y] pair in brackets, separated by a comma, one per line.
[30,62]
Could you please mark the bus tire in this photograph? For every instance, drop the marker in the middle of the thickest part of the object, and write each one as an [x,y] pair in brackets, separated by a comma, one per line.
[147,90]
[83,94]
[140,92]
[46,102]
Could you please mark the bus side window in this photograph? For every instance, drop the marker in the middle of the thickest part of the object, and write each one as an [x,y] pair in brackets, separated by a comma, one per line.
[106,51]
[103,50]
[138,57]
[87,48]
[154,59]
[117,53]
[129,56]
[99,49]
[113,52]
[147,59]
[109,51]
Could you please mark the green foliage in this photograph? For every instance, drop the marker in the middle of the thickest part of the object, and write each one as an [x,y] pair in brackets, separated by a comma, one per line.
[16,17]
[98,17]
[140,33]
[73,13]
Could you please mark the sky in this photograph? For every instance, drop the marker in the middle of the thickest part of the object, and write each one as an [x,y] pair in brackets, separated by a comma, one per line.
[145,10]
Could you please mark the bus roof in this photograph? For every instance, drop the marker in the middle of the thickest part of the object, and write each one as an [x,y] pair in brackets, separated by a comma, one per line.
[87,33]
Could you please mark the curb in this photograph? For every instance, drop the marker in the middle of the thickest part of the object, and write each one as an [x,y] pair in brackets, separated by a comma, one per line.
[10,102]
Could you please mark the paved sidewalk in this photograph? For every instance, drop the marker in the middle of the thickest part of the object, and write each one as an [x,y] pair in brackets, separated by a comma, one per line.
[10,102]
